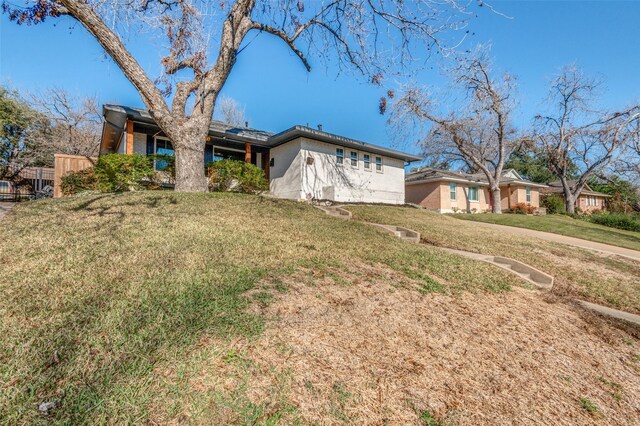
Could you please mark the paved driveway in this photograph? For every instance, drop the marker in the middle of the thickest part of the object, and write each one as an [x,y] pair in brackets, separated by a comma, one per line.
[590,245]
[5,207]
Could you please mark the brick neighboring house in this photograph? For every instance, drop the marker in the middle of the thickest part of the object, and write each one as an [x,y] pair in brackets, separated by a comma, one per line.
[447,191]
[588,201]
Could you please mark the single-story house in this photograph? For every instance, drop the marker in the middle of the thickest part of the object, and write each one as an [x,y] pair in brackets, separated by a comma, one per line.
[301,163]
[588,201]
[447,191]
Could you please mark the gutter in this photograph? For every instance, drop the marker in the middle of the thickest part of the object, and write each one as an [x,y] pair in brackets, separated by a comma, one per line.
[302,131]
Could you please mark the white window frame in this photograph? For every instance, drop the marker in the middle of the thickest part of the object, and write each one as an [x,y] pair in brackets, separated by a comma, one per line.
[357,159]
[380,163]
[477,198]
[527,194]
[366,159]
[340,156]
[453,190]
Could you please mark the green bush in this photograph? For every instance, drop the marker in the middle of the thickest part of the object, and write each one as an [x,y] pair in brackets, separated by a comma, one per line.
[554,204]
[629,222]
[82,180]
[238,176]
[121,172]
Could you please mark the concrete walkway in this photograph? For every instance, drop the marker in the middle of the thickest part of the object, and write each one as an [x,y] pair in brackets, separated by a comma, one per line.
[626,316]
[577,242]
[5,207]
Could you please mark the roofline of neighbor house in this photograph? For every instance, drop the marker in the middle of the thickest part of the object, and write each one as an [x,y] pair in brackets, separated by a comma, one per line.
[475,182]
[269,140]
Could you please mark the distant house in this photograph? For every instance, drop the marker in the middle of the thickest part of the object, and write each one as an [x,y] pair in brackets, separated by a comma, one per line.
[447,191]
[301,163]
[588,201]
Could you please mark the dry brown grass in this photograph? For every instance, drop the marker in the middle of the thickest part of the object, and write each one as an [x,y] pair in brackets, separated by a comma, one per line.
[230,309]
[608,280]
[376,353]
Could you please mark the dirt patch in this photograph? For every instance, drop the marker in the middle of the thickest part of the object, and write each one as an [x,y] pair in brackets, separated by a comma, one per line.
[369,352]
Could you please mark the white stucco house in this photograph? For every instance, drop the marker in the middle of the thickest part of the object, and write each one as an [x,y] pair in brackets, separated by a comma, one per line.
[301,163]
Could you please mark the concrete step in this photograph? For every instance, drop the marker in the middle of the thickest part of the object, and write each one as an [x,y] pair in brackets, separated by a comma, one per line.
[335,211]
[524,271]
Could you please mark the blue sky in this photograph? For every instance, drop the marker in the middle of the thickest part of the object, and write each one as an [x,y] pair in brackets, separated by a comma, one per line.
[277,92]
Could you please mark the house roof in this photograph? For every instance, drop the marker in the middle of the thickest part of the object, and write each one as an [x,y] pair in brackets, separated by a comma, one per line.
[319,135]
[429,174]
[116,117]
[556,187]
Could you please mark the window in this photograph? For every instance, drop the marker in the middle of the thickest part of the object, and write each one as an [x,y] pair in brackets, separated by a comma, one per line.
[164,149]
[473,193]
[528,194]
[339,155]
[452,191]
[354,159]
[379,164]
[367,161]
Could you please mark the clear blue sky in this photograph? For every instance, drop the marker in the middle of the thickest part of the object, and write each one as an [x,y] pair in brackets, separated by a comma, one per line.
[602,37]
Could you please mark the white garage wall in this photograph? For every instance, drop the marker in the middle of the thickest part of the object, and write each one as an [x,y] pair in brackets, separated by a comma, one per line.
[307,169]
[286,173]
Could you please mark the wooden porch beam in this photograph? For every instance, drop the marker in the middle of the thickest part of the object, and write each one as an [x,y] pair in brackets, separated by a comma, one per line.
[129,145]
[247,153]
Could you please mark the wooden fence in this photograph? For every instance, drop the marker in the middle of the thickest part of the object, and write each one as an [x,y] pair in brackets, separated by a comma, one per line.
[68,163]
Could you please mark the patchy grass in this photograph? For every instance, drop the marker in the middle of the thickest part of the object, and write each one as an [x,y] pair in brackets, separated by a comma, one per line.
[104,297]
[563,225]
[611,281]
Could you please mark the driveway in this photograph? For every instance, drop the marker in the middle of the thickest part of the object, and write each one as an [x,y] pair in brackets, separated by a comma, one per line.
[5,207]
[577,242]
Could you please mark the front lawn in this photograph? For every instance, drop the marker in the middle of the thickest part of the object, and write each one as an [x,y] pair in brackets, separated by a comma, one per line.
[168,308]
[95,291]
[563,225]
[578,273]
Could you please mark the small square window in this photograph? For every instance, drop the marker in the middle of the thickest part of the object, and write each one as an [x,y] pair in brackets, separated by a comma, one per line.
[339,156]
[473,193]
[354,159]
[379,164]
[366,158]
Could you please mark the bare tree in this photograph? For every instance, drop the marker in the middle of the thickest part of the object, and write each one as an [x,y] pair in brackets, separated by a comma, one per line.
[577,134]
[477,134]
[75,123]
[231,112]
[367,36]
[628,162]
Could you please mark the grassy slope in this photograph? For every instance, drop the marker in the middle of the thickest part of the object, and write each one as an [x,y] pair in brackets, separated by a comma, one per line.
[96,292]
[578,273]
[563,225]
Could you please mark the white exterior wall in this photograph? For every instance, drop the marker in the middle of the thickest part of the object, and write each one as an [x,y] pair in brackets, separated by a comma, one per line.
[307,169]
[285,176]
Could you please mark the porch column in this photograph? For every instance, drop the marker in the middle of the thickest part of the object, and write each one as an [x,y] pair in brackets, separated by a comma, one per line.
[247,153]
[129,145]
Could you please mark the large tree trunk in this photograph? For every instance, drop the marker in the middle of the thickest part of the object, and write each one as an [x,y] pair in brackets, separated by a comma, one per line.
[569,202]
[496,202]
[189,160]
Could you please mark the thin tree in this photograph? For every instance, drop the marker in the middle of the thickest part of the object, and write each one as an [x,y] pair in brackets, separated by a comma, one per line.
[231,112]
[367,36]
[75,123]
[577,135]
[477,134]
